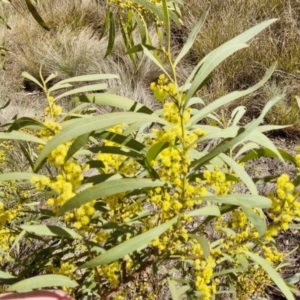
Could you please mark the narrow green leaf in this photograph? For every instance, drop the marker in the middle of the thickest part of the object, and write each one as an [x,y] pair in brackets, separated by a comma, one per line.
[182,290]
[59,87]
[116,150]
[23,136]
[95,164]
[31,78]
[245,148]
[142,27]
[4,275]
[77,145]
[18,176]
[133,127]
[50,77]
[127,38]
[211,62]
[105,25]
[84,89]
[294,226]
[228,271]
[36,15]
[209,210]
[26,122]
[90,77]
[27,155]
[83,126]
[155,150]
[42,281]
[107,188]
[111,36]
[293,279]
[136,243]
[158,63]
[232,290]
[240,199]
[173,289]
[229,98]
[191,38]
[296,180]
[265,152]
[240,39]
[195,100]
[273,274]
[124,140]
[264,141]
[264,128]
[258,222]
[243,261]
[236,115]
[238,170]
[16,242]
[97,178]
[115,101]
[241,136]
[139,48]
[50,230]
[75,110]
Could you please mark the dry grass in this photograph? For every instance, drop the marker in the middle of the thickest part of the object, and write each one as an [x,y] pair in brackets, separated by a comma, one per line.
[279,43]
[72,48]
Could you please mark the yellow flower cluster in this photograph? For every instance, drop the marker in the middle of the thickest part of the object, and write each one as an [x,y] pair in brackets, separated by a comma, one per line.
[217,180]
[7,215]
[110,273]
[52,110]
[252,283]
[10,190]
[70,175]
[2,156]
[238,232]
[81,216]
[163,87]
[58,155]
[67,269]
[65,184]
[121,208]
[116,163]
[172,240]
[272,255]
[285,207]
[6,238]
[52,129]
[204,270]
[239,220]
